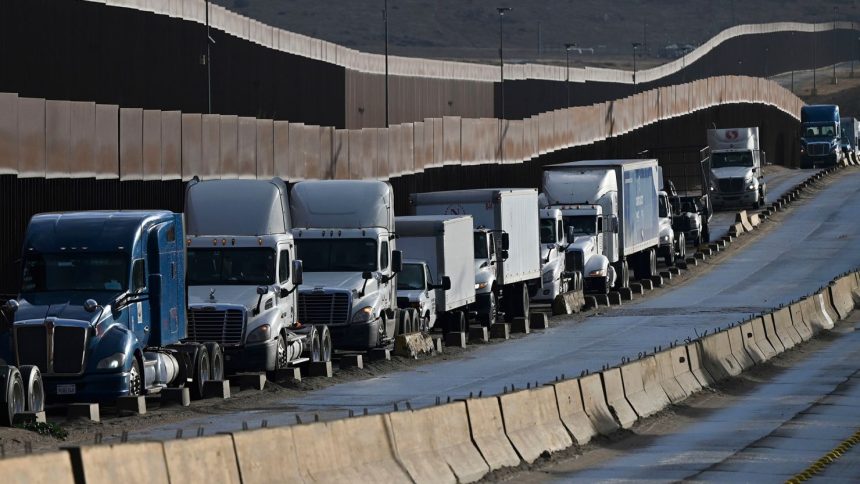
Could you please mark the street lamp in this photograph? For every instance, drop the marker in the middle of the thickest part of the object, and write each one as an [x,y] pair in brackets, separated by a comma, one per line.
[209,42]
[814,73]
[385,20]
[835,11]
[502,11]
[766,51]
[567,48]
[635,46]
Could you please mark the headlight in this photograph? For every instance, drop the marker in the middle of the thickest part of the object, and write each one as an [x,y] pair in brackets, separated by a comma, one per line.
[113,361]
[664,238]
[362,315]
[751,186]
[548,277]
[261,333]
[598,272]
[480,285]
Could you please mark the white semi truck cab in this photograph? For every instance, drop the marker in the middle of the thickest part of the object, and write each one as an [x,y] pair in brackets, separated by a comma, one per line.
[583,226]
[344,233]
[416,290]
[243,276]
[736,165]
[553,243]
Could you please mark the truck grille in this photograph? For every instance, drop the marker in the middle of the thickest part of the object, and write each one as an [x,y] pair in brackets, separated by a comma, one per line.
[69,343]
[323,308]
[731,185]
[223,326]
[573,261]
[818,149]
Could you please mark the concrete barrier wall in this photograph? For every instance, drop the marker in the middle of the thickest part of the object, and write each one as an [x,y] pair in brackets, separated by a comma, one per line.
[617,403]
[750,345]
[823,310]
[802,327]
[488,433]
[681,370]
[843,300]
[52,467]
[697,368]
[256,450]
[652,383]
[666,375]
[771,334]
[811,315]
[205,459]
[572,411]
[434,444]
[717,357]
[533,423]
[120,463]
[634,390]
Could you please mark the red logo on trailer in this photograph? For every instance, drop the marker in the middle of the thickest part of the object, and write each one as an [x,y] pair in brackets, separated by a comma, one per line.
[731,135]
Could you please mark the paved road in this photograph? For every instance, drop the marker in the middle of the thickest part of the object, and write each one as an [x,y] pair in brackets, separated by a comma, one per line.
[816,242]
[770,435]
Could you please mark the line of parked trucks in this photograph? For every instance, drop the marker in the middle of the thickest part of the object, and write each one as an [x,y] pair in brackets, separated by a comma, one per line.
[255,277]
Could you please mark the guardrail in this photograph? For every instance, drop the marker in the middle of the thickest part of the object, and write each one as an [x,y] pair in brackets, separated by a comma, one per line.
[53,139]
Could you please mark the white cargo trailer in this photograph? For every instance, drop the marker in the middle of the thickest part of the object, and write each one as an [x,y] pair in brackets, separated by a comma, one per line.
[506,243]
[445,244]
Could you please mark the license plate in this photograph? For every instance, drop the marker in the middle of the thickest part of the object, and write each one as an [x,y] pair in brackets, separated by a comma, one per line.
[67,389]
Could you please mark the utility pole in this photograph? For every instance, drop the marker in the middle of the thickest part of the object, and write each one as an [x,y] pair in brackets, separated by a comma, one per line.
[567,48]
[209,43]
[635,45]
[814,73]
[502,11]
[833,34]
[385,20]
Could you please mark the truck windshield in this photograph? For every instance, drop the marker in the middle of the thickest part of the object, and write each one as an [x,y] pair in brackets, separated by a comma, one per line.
[740,158]
[582,224]
[547,231]
[828,130]
[664,207]
[75,272]
[411,278]
[481,245]
[337,255]
[235,266]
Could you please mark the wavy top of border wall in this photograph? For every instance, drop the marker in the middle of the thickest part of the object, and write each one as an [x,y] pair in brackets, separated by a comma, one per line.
[290,42]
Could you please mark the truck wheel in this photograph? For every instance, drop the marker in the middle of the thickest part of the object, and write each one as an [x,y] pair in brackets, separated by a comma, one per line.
[622,271]
[682,247]
[325,343]
[281,358]
[216,361]
[12,396]
[314,350]
[32,378]
[490,317]
[669,256]
[201,372]
[135,378]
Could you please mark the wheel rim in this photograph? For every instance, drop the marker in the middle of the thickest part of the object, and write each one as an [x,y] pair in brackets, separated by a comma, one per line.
[525,301]
[217,367]
[326,348]
[315,348]
[134,379]
[37,399]
[282,353]
[18,397]
[203,371]
[491,317]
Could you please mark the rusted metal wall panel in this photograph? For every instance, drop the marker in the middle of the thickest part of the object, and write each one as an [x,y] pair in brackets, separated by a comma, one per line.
[210,147]
[340,154]
[311,152]
[281,134]
[131,144]
[152,145]
[82,140]
[57,138]
[31,137]
[265,148]
[229,146]
[8,133]
[451,141]
[326,165]
[247,148]
[383,167]
[171,145]
[298,169]
[107,141]
[192,136]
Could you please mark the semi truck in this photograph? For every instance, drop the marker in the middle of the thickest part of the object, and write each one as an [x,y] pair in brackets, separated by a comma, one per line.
[438,277]
[850,137]
[553,245]
[820,134]
[243,276]
[506,244]
[101,311]
[613,205]
[345,238]
[736,162]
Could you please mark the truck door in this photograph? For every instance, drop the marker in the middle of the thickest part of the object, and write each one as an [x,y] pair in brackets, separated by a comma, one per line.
[166,282]
[286,305]
[138,309]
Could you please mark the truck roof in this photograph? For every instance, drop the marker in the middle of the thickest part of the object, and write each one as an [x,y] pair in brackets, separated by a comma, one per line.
[237,207]
[96,231]
[347,204]
[427,225]
[628,163]
[473,195]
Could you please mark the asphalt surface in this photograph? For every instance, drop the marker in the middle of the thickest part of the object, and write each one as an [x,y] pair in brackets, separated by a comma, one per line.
[813,244]
[769,435]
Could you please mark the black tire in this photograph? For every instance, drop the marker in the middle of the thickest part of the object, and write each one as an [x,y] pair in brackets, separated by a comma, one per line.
[135,378]
[216,361]
[200,373]
[424,323]
[669,256]
[490,317]
[13,397]
[325,343]
[622,271]
[281,358]
[314,349]
[682,246]
[32,378]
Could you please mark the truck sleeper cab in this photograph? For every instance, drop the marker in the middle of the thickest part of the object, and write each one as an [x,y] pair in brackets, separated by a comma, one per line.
[820,135]
[101,307]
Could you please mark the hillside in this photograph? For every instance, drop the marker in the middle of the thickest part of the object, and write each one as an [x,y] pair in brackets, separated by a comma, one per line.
[469,29]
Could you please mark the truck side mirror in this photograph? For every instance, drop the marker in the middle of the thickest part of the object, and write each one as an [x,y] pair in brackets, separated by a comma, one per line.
[506,242]
[446,283]
[262,290]
[504,254]
[297,275]
[11,306]
[396,261]
[90,305]
[599,225]
[367,275]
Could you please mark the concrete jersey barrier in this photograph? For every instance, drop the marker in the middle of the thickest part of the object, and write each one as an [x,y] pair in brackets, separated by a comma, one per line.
[434,444]
[651,381]
[827,318]
[488,433]
[694,356]
[717,356]
[203,459]
[256,450]
[572,411]
[739,350]
[813,318]
[771,335]
[786,331]
[666,373]
[802,328]
[52,467]
[121,463]
[742,218]
[618,405]
[594,402]
[634,390]
[681,370]
[843,300]
[750,344]
[532,422]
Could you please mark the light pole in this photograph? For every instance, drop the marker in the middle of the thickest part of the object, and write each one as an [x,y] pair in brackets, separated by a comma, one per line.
[635,46]
[385,20]
[567,48]
[209,43]
[835,12]
[766,51]
[502,11]
[814,73]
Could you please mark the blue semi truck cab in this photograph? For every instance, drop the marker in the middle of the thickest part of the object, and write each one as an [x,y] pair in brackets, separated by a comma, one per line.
[820,136]
[101,309]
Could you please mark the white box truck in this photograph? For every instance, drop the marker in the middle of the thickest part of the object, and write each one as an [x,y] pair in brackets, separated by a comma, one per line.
[506,244]
[242,276]
[344,233]
[610,207]
[736,164]
[553,244]
[438,275]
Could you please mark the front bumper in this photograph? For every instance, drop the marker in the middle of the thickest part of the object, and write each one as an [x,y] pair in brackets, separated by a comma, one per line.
[254,357]
[731,199]
[546,293]
[88,388]
[809,161]
[595,285]
[355,336]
